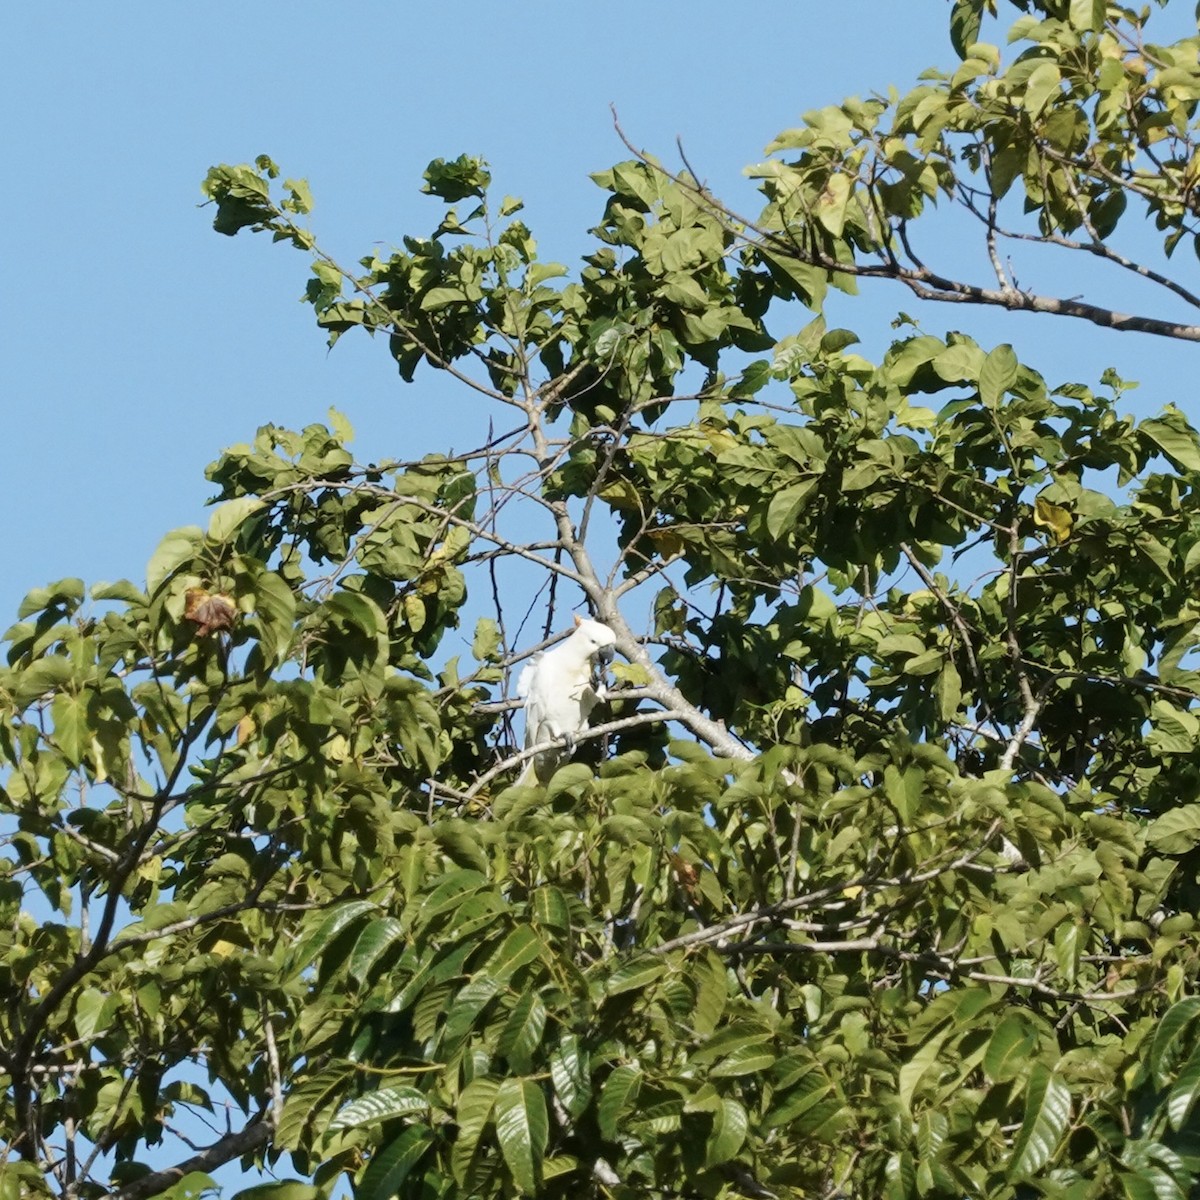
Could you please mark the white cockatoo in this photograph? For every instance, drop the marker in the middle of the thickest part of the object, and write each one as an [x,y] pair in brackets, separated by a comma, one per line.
[559,694]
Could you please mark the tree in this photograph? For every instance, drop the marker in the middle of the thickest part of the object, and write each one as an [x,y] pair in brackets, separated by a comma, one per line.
[878,874]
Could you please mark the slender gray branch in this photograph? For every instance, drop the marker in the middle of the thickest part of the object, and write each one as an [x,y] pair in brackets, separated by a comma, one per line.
[226,1149]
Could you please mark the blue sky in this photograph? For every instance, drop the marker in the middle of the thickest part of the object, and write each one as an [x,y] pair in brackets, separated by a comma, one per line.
[136,343]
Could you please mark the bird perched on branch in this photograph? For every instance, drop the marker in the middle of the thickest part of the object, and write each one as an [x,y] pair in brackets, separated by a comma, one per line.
[559,693]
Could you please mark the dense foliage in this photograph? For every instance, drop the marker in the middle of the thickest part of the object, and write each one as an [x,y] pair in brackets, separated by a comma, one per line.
[877,876]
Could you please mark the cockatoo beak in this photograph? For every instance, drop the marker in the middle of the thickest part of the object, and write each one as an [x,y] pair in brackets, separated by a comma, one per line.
[605,654]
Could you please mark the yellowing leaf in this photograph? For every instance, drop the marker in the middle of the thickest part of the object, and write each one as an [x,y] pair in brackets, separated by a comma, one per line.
[1058,520]
[717,437]
[101,772]
[621,494]
[414,612]
[668,542]
[151,869]
[632,674]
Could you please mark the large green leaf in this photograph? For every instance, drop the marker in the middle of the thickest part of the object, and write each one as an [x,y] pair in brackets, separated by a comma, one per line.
[1047,1111]
[616,1097]
[381,1105]
[1184,1092]
[338,919]
[1171,1038]
[1174,438]
[376,938]
[1009,1048]
[730,1123]
[283,1189]
[569,1068]
[391,1166]
[472,1115]
[1176,831]
[997,374]
[522,1127]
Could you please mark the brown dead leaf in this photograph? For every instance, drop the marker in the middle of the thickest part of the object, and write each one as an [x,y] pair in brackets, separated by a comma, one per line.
[211,611]
[685,874]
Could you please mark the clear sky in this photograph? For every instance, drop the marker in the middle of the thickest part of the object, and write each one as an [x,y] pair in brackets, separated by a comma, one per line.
[136,343]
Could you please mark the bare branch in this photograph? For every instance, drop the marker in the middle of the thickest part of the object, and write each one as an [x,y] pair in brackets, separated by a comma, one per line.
[589,734]
[226,1149]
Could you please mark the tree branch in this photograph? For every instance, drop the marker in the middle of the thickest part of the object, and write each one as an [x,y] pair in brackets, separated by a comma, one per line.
[923,282]
[231,1146]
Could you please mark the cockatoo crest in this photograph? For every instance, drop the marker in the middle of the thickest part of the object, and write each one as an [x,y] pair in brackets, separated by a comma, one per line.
[559,694]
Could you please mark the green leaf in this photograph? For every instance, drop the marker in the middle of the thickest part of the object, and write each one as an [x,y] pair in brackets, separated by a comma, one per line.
[192,1186]
[379,1106]
[1009,1048]
[389,1167]
[1167,1047]
[571,1072]
[486,643]
[616,1097]
[283,1189]
[709,975]
[61,599]
[72,731]
[376,938]
[275,606]
[522,1032]
[1177,831]
[1087,15]
[997,374]
[441,297]
[337,919]
[309,1100]
[730,1124]
[178,547]
[901,1177]
[1047,1111]
[749,1058]
[1176,439]
[1042,84]
[914,1070]
[90,1016]
[960,363]
[831,203]
[786,505]
[472,1115]
[1184,1092]
[358,610]
[947,691]
[122,589]
[965,19]
[45,675]
[522,1129]
[229,516]
[457,179]
[634,976]
[520,948]
[467,1006]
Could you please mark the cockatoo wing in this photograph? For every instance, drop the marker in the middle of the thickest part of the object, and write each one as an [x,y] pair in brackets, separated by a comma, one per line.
[525,679]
